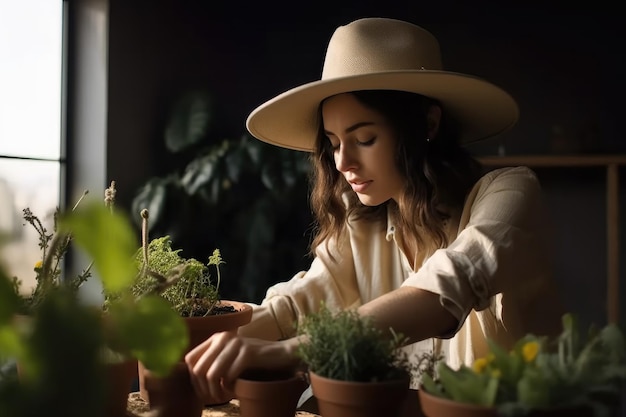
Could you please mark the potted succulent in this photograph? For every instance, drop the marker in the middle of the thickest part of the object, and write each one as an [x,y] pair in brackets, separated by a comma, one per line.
[186,285]
[570,375]
[353,367]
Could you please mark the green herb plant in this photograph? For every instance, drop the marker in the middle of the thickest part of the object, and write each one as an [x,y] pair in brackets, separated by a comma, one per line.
[184,283]
[349,347]
[540,373]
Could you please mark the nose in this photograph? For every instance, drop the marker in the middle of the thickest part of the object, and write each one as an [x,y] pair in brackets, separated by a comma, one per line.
[345,160]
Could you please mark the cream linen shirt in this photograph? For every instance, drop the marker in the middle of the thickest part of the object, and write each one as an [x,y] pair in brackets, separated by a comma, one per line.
[493,276]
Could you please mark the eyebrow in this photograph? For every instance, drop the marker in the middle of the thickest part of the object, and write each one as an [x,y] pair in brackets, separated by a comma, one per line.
[351,128]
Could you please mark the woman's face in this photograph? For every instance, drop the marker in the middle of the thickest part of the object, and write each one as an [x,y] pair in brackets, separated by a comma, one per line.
[364,149]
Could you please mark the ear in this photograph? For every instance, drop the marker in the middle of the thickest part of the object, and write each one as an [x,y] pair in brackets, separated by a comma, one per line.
[432,119]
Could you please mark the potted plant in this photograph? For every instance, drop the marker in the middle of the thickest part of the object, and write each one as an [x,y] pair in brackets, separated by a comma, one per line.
[186,285]
[353,367]
[269,393]
[571,375]
[51,369]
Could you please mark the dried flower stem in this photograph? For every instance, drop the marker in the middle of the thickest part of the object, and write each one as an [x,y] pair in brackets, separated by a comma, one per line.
[109,196]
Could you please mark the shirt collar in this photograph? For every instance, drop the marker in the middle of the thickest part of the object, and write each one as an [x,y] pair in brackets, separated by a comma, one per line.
[391,228]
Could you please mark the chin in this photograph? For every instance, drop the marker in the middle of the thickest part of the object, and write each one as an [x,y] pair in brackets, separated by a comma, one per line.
[367,200]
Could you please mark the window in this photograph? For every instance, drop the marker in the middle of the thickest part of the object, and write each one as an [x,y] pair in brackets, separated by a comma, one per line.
[31,157]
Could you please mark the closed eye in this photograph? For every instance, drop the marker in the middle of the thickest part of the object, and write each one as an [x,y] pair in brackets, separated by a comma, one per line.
[368,142]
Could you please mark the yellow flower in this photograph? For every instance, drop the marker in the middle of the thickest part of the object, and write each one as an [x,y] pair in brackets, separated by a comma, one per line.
[496,373]
[479,365]
[529,351]
[38,265]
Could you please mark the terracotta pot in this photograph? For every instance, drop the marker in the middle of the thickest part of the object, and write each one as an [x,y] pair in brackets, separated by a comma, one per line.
[359,399]
[120,377]
[434,406]
[265,393]
[200,329]
[173,395]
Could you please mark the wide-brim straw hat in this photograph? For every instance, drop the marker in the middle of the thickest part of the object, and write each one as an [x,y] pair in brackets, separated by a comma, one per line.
[384,54]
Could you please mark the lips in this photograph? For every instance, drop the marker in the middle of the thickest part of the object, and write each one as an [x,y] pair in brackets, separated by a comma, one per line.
[359,186]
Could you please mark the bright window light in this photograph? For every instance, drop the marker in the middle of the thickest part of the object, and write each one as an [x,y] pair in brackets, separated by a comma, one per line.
[30,126]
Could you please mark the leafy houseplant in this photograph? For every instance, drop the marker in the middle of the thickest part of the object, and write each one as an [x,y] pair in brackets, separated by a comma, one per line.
[571,374]
[355,370]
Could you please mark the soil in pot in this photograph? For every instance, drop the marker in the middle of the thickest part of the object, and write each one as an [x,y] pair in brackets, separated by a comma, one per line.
[337,398]
[269,393]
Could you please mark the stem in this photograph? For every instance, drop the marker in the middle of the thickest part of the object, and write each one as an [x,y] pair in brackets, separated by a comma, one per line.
[47,261]
[144,239]
[80,199]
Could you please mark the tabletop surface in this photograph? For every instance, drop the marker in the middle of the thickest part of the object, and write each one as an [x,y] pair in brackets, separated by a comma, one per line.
[137,407]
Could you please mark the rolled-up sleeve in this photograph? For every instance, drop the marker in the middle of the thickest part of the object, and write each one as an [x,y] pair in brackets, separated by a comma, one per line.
[327,280]
[494,243]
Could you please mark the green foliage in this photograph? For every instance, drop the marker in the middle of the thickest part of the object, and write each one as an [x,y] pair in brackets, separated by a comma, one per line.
[348,347]
[53,250]
[185,283]
[51,368]
[189,120]
[108,238]
[138,326]
[535,374]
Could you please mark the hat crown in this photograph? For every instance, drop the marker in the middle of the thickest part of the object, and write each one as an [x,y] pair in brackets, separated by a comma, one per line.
[375,45]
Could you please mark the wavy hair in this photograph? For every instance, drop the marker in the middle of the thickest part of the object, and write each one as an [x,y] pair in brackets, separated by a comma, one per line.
[438,172]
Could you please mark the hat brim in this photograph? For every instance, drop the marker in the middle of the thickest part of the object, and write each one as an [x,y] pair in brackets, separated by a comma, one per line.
[481,109]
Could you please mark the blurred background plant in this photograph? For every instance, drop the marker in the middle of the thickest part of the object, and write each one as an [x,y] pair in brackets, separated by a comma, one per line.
[63,345]
[538,373]
[246,197]
[49,278]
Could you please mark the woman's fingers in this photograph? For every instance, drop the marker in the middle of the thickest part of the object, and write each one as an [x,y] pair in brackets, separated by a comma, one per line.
[217,363]
[200,359]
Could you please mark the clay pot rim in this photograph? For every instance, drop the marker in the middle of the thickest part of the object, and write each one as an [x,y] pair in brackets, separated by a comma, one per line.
[242,310]
[440,400]
[369,383]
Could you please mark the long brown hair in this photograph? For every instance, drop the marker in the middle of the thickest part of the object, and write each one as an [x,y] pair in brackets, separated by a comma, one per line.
[438,171]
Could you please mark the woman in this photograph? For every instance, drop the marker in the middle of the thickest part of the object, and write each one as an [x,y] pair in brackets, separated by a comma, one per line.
[410,231]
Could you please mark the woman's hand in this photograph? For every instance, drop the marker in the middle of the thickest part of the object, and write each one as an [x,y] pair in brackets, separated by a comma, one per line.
[216,363]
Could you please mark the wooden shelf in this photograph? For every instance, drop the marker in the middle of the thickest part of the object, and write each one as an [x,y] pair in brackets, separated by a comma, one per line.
[612,164]
[553,160]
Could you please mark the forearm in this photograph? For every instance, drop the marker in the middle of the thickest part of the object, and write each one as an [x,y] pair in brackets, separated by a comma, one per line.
[416,313]
[263,325]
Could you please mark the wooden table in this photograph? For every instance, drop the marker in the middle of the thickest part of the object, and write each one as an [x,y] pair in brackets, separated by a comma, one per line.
[137,407]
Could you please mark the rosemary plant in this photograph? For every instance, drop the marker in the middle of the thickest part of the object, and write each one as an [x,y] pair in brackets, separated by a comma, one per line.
[346,346]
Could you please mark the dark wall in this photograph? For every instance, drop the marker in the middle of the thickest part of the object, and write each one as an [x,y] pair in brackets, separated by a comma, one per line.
[562,63]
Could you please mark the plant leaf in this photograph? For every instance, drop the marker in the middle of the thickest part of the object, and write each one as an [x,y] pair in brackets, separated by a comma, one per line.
[189,120]
[108,239]
[155,334]
[9,299]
